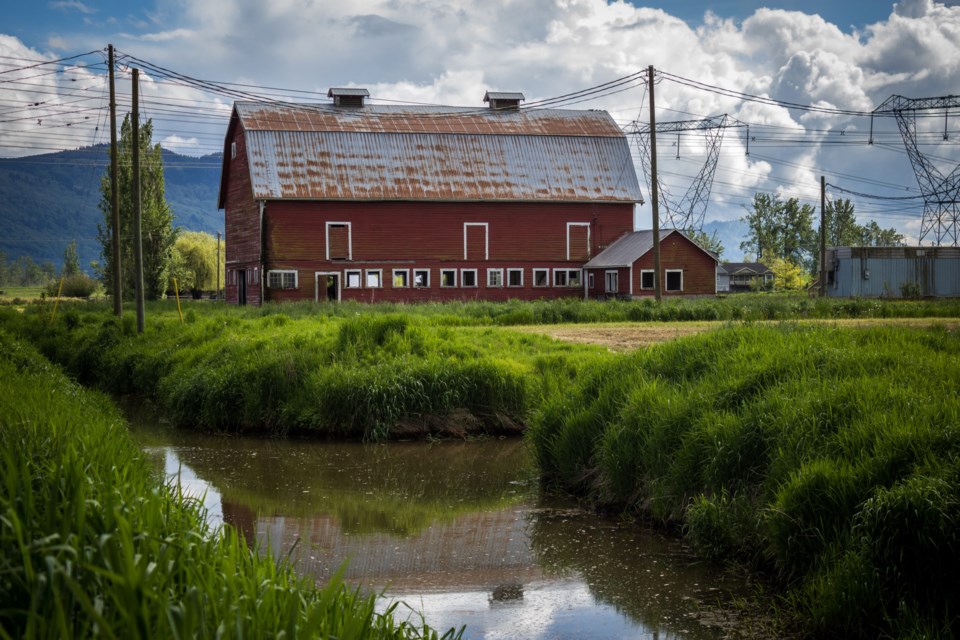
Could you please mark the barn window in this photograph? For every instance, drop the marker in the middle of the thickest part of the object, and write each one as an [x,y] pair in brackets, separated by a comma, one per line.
[233,150]
[353,279]
[574,278]
[401,278]
[339,239]
[468,277]
[514,277]
[256,275]
[646,279]
[674,279]
[374,278]
[559,277]
[612,281]
[421,278]
[448,277]
[282,279]
[541,277]
[590,280]
[494,277]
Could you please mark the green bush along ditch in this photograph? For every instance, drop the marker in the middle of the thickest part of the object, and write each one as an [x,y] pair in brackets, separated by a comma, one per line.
[828,458]
[93,544]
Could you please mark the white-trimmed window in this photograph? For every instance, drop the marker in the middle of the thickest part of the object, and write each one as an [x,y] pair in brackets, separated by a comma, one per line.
[374,278]
[339,240]
[494,277]
[448,277]
[282,279]
[559,277]
[611,281]
[421,278]
[590,280]
[567,278]
[353,279]
[541,277]
[256,275]
[468,277]
[514,277]
[575,278]
[674,279]
[646,278]
[401,278]
[233,150]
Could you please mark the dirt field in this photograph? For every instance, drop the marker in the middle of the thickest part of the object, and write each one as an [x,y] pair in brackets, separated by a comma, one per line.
[629,336]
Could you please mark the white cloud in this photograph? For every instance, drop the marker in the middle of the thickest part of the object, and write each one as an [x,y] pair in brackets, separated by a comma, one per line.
[183,146]
[451,51]
[72,5]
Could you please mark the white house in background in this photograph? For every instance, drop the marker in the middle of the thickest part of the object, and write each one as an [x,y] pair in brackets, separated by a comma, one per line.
[733,277]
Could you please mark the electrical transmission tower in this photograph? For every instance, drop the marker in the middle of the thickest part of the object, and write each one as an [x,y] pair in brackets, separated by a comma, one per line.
[940,193]
[688,212]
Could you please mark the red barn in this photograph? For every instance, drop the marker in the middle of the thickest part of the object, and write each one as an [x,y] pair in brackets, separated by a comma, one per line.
[626,268]
[347,201]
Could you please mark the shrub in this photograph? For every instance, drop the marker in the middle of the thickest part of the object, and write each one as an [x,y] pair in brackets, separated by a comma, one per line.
[78,285]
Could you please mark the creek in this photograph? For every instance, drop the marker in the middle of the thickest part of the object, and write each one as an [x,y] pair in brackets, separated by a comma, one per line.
[458,532]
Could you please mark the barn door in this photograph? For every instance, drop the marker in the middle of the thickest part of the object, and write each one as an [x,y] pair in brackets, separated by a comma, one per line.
[339,241]
[475,241]
[578,241]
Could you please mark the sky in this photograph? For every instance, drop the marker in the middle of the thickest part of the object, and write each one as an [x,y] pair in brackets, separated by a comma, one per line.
[844,57]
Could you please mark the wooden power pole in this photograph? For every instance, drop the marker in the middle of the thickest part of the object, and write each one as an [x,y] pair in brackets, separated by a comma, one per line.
[137,231]
[218,266]
[114,192]
[823,236]
[654,195]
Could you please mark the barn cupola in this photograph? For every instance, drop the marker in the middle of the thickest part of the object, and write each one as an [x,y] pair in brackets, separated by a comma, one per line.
[503,100]
[348,97]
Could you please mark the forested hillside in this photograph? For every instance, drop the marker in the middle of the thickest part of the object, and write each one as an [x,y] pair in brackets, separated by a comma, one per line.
[49,200]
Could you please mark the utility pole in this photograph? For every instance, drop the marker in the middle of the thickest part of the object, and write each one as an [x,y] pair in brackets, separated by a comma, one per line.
[654,197]
[137,232]
[823,236]
[114,192]
[218,266]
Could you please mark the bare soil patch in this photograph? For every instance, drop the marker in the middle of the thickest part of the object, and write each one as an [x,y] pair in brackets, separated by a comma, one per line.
[630,336]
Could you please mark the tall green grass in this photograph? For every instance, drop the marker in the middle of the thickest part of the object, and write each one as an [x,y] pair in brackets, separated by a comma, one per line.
[827,458]
[366,376]
[91,544]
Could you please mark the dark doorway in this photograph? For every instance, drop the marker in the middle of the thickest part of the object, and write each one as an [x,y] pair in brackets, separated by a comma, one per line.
[241,286]
[333,288]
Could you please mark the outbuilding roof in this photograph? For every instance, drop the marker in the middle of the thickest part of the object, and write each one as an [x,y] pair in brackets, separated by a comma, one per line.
[322,152]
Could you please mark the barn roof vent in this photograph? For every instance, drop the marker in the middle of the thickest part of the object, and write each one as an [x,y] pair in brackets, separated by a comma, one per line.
[503,100]
[348,97]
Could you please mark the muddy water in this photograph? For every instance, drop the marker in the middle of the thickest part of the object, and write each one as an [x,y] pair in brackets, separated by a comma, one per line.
[456,531]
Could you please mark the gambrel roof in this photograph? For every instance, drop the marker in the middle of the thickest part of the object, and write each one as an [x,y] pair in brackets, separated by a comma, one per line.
[323,152]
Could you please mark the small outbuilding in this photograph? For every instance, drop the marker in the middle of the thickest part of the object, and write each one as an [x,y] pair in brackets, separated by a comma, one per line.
[893,272]
[626,268]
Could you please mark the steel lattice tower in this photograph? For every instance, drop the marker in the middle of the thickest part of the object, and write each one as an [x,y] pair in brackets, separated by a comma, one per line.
[940,193]
[688,212]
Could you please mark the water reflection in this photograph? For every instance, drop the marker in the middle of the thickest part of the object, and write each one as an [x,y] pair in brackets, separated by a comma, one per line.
[458,531]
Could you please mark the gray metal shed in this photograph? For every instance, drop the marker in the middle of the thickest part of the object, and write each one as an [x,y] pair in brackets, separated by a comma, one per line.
[893,272]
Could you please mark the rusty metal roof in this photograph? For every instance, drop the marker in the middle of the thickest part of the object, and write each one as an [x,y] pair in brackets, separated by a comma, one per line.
[631,247]
[436,153]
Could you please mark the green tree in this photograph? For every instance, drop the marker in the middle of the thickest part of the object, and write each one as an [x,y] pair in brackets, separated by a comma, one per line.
[781,229]
[873,236]
[195,262]
[709,242]
[841,224]
[157,230]
[4,270]
[71,260]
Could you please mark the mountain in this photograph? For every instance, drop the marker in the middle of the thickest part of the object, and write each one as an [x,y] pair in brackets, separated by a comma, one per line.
[730,233]
[49,200]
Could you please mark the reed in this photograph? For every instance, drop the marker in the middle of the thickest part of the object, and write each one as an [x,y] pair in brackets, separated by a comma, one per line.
[92,544]
[823,457]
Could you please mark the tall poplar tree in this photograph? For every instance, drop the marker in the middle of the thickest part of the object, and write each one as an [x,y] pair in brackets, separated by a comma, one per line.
[157,230]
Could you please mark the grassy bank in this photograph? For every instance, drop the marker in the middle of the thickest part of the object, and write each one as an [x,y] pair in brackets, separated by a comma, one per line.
[366,376]
[92,544]
[827,458]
